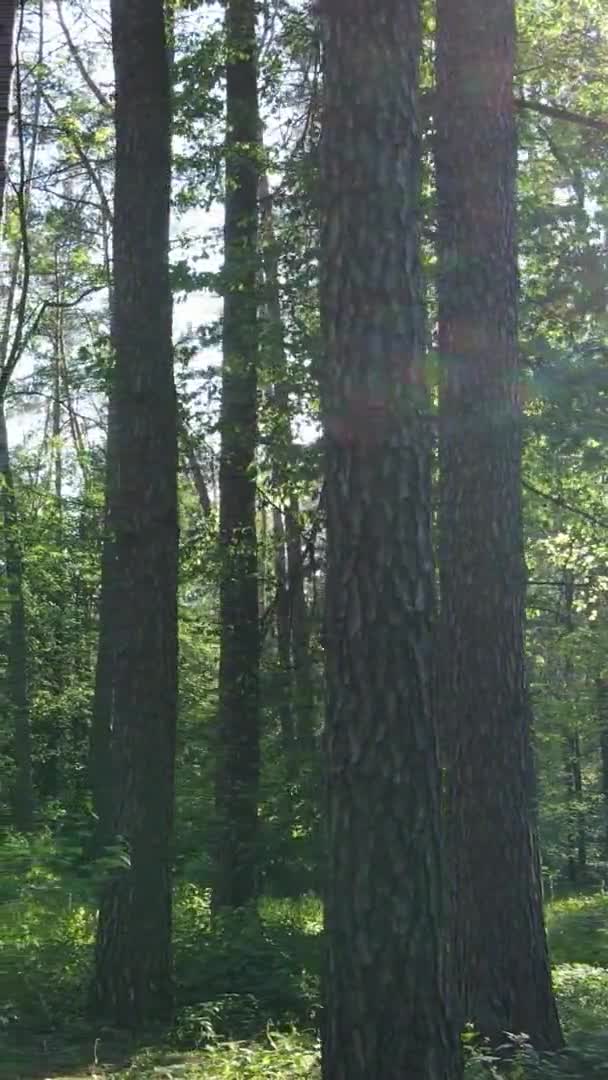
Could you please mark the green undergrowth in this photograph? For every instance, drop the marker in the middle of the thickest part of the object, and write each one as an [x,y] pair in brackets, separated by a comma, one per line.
[247,988]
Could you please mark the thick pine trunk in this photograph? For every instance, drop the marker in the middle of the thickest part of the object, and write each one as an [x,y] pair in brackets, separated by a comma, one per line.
[498,938]
[132,980]
[17,698]
[238,737]
[8,11]
[385,1014]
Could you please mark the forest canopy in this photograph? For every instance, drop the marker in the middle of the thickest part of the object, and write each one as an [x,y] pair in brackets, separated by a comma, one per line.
[303,539]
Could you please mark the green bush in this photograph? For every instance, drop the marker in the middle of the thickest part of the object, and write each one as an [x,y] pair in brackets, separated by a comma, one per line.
[271,958]
[578,930]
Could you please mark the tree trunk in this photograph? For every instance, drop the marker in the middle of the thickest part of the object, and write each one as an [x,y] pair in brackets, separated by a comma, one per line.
[385,1014]
[577,860]
[17,697]
[303,675]
[132,980]
[292,635]
[238,737]
[602,712]
[498,939]
[100,737]
[8,11]
[48,779]
[283,628]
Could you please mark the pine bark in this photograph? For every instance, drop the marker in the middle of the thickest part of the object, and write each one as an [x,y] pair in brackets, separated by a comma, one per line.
[498,942]
[238,737]
[385,1010]
[8,12]
[132,979]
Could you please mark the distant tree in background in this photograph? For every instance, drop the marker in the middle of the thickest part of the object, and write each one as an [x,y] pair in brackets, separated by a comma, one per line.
[8,11]
[238,732]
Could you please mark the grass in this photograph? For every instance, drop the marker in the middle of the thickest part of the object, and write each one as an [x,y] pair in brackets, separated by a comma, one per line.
[248,992]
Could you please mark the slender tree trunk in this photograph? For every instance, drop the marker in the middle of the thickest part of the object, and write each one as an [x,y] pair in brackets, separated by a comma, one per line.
[8,12]
[132,980]
[292,572]
[48,781]
[17,697]
[299,617]
[100,768]
[577,859]
[577,839]
[194,469]
[17,677]
[602,712]
[498,939]
[385,1006]
[238,750]
[284,643]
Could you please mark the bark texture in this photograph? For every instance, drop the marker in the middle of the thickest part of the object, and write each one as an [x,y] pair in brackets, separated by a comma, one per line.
[238,751]
[132,981]
[8,12]
[385,1012]
[498,940]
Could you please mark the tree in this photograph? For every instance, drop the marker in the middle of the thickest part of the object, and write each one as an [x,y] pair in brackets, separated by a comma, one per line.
[498,939]
[385,1002]
[238,749]
[11,348]
[132,980]
[8,12]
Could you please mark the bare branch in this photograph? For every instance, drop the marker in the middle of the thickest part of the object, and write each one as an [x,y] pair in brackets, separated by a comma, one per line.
[77,58]
[556,112]
[557,500]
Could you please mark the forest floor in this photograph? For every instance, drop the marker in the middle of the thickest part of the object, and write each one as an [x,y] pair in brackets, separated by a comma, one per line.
[248,993]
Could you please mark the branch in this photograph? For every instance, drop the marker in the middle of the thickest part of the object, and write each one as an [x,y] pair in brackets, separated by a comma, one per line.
[563,505]
[76,57]
[83,159]
[556,112]
[194,469]
[21,344]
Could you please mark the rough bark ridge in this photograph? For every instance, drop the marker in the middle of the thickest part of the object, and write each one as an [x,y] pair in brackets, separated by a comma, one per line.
[238,749]
[385,1014]
[8,11]
[498,938]
[132,982]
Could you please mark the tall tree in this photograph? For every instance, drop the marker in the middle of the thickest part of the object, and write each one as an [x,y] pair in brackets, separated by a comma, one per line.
[385,1007]
[11,349]
[238,752]
[8,12]
[17,697]
[132,980]
[498,938]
